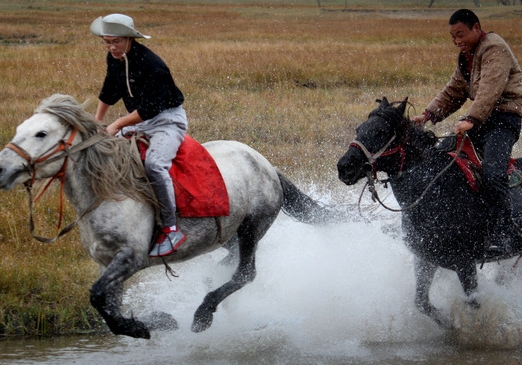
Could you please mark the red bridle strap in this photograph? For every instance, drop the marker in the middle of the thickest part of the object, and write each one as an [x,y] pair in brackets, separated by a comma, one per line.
[62,146]
[400,150]
[372,157]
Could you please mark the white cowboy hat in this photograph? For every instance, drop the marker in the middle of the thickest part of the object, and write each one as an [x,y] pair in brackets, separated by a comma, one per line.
[115,25]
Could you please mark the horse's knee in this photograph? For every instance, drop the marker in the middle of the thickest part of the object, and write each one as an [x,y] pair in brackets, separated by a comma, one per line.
[424,306]
[98,297]
[244,277]
[246,270]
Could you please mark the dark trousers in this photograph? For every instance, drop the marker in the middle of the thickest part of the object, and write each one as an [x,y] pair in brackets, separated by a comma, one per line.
[495,140]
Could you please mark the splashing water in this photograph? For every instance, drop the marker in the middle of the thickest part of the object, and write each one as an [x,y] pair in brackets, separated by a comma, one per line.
[331,290]
[332,294]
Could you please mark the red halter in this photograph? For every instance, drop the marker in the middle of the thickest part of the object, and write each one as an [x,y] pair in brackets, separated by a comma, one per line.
[62,146]
[383,152]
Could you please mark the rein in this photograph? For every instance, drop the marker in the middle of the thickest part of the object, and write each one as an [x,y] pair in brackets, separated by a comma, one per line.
[372,175]
[56,153]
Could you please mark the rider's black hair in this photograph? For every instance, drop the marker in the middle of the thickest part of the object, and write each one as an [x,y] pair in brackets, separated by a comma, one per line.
[464,16]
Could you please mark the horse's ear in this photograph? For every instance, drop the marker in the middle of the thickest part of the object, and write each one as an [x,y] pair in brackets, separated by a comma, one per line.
[383,103]
[402,106]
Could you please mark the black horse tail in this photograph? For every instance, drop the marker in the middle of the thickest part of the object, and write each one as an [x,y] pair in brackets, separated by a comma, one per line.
[305,209]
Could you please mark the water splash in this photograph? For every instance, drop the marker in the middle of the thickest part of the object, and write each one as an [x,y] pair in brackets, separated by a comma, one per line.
[323,289]
[336,294]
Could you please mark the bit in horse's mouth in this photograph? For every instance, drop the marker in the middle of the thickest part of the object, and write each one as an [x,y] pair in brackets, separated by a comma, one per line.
[8,182]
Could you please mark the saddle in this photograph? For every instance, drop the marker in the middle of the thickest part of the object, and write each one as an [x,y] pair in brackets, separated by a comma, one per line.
[198,185]
[470,162]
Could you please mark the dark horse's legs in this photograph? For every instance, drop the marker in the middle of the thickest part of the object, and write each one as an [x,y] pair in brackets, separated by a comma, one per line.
[105,295]
[424,273]
[248,234]
[468,279]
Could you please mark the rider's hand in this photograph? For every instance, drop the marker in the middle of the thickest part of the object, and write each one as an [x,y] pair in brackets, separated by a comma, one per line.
[420,119]
[463,126]
[113,128]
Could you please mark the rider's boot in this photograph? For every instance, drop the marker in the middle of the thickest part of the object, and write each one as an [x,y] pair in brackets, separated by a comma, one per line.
[500,239]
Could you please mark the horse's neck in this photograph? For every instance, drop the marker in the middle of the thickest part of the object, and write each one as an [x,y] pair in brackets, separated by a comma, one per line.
[420,169]
[397,166]
[77,186]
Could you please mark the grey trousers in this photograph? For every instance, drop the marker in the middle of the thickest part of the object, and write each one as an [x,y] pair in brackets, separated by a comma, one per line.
[165,132]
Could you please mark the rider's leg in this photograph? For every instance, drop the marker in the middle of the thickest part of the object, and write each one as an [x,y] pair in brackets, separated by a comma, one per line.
[164,142]
[497,147]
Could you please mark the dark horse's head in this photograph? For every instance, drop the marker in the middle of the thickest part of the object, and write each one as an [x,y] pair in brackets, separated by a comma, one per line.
[379,144]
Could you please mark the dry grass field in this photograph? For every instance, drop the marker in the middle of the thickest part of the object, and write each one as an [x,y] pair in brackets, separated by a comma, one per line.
[288,79]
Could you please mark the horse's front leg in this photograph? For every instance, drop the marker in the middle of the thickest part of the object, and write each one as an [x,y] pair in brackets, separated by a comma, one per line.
[106,291]
[424,274]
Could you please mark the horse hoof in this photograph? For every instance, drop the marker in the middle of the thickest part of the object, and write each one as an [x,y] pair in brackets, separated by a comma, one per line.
[141,333]
[199,326]
[473,304]
[140,330]
[132,328]
[202,321]
[137,332]
[436,315]
[160,321]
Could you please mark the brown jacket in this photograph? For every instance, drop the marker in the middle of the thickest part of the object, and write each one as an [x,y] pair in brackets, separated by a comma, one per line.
[495,83]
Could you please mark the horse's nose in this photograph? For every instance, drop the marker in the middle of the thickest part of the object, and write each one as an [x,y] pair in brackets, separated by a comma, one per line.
[350,170]
[343,170]
[367,167]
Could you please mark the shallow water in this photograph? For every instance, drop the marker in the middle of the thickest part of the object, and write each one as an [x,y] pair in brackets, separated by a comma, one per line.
[339,294]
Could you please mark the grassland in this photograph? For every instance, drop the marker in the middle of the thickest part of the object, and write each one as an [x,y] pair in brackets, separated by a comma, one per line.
[290,80]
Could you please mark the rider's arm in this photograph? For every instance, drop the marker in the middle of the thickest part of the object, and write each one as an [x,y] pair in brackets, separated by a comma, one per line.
[127,120]
[101,111]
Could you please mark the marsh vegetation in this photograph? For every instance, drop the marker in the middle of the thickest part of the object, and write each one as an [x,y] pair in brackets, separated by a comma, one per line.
[285,78]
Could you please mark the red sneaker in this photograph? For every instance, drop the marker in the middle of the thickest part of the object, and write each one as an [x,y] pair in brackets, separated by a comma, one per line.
[168,241]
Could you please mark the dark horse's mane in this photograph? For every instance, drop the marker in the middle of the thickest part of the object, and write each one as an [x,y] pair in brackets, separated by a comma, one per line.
[413,137]
[113,169]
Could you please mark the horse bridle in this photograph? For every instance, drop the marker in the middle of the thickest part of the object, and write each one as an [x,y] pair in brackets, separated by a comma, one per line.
[62,146]
[372,173]
[383,152]
[51,155]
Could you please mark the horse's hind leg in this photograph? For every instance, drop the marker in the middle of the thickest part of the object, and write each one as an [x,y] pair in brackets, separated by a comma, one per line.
[424,274]
[106,296]
[468,279]
[248,235]
[232,246]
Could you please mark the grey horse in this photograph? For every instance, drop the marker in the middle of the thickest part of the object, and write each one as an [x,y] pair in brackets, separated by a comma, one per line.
[116,209]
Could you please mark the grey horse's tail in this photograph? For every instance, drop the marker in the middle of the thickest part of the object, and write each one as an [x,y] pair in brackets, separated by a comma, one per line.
[303,208]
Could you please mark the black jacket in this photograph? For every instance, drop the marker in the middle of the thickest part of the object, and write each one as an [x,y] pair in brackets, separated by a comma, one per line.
[150,80]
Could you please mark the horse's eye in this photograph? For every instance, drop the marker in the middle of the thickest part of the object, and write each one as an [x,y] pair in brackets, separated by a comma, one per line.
[41,134]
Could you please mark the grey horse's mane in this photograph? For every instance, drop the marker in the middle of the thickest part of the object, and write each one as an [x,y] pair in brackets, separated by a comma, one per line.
[114,170]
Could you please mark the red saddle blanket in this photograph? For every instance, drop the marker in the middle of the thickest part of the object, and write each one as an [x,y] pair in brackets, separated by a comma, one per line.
[198,184]
[470,163]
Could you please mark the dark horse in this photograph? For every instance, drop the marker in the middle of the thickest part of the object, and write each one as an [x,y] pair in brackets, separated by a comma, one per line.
[444,221]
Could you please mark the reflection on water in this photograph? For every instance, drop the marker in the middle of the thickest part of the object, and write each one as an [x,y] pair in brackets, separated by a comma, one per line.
[260,349]
[331,295]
